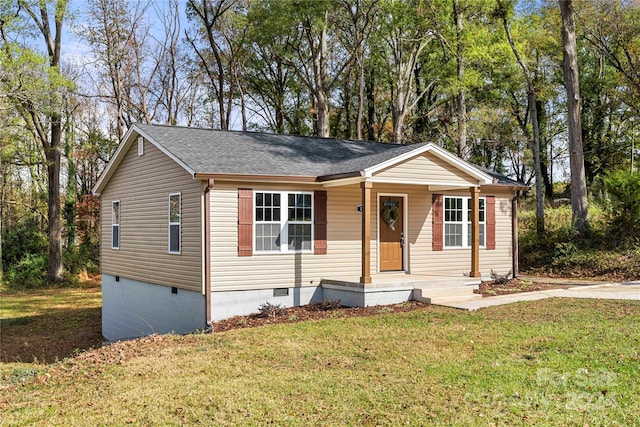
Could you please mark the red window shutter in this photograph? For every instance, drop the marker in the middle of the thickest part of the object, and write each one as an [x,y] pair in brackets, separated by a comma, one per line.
[245,222]
[320,222]
[490,220]
[437,221]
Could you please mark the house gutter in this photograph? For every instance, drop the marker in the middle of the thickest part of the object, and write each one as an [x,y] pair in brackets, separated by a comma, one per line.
[206,226]
[257,178]
[514,233]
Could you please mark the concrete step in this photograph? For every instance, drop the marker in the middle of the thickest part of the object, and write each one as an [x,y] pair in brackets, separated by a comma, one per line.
[445,300]
[433,295]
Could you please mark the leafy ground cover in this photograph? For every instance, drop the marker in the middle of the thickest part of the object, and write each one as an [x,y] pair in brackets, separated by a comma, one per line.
[45,325]
[549,362]
[601,253]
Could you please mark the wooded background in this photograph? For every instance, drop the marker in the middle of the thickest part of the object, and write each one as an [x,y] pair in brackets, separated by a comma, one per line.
[482,78]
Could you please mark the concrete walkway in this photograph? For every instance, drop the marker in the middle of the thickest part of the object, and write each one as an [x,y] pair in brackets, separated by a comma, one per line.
[625,291]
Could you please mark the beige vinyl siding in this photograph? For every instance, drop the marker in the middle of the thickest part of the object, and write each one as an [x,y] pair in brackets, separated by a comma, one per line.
[457,261]
[143,184]
[342,261]
[426,168]
[259,271]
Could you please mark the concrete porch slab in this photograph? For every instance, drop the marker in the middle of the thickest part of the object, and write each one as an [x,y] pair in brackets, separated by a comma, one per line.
[402,279]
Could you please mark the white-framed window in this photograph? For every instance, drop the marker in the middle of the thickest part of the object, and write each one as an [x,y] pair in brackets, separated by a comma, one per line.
[115,224]
[457,222]
[175,218]
[283,221]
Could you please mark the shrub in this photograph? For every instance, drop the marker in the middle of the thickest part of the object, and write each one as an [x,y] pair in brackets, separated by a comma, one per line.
[596,253]
[266,309]
[79,259]
[30,272]
[25,254]
[623,188]
[23,238]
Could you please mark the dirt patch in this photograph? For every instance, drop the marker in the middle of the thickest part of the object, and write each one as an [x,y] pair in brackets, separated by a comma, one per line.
[313,312]
[514,286]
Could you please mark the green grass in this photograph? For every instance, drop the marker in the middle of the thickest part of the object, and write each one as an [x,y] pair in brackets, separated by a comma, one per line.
[550,362]
[46,325]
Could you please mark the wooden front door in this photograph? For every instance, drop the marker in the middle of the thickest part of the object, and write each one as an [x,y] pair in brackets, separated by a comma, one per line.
[391,233]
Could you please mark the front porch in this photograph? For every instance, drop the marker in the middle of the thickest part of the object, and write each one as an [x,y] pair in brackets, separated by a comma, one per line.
[397,287]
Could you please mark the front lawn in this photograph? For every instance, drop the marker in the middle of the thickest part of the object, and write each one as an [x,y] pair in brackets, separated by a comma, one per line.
[549,362]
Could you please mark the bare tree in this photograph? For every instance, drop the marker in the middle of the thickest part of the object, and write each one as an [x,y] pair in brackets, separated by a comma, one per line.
[216,55]
[533,114]
[138,71]
[579,203]
[172,86]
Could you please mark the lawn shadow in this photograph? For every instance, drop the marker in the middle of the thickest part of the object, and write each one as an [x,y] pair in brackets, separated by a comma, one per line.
[49,337]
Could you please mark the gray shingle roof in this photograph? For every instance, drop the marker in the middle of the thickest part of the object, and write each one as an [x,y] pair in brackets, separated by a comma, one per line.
[210,151]
[501,179]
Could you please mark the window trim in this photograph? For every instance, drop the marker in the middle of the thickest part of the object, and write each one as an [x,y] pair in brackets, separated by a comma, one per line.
[179,224]
[114,224]
[284,222]
[466,244]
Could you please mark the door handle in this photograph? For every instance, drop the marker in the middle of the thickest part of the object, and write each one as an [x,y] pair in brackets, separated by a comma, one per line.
[402,239]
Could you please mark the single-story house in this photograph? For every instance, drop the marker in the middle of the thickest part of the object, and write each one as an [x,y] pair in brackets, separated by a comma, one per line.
[200,225]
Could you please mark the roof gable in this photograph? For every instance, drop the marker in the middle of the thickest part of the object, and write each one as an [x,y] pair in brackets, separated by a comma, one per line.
[428,168]
[127,141]
[431,158]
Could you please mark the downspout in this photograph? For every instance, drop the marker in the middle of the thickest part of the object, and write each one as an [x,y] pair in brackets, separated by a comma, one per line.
[514,233]
[206,229]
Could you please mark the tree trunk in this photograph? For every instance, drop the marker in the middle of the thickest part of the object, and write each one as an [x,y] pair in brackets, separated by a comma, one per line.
[371,105]
[545,158]
[461,144]
[398,124]
[348,129]
[55,223]
[536,158]
[399,113]
[579,204]
[321,83]
[71,193]
[360,112]
[1,213]
[533,112]
[322,106]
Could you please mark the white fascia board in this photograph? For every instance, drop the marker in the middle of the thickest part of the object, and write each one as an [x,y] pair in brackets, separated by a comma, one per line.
[121,151]
[443,154]
[114,161]
[344,181]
